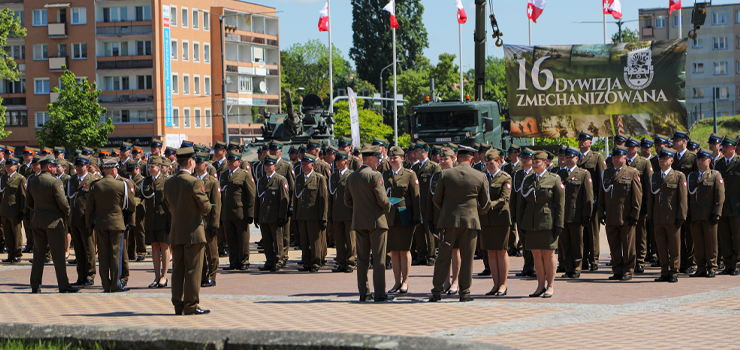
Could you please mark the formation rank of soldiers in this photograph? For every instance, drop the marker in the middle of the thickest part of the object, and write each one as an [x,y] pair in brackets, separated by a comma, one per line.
[381,207]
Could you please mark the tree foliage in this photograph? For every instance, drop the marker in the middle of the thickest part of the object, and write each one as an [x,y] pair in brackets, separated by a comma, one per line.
[628,36]
[75,117]
[371,123]
[307,66]
[372,37]
[9,25]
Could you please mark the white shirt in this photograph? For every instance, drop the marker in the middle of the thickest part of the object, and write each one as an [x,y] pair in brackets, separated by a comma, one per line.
[680,154]
[270,176]
[585,153]
[515,164]
[10,176]
[728,160]
[308,175]
[187,171]
[571,169]
[665,173]
[493,175]
[202,177]
[422,162]
[341,172]
[540,175]
[396,172]
[630,160]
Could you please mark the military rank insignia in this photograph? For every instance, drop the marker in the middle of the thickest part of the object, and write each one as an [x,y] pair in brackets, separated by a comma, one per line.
[508,185]
[417,181]
[720,181]
[285,186]
[562,186]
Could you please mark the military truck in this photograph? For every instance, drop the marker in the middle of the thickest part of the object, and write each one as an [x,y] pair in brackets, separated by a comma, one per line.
[457,122]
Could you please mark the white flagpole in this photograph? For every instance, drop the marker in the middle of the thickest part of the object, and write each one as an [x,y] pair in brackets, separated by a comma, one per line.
[395,92]
[680,24]
[529,23]
[459,33]
[331,76]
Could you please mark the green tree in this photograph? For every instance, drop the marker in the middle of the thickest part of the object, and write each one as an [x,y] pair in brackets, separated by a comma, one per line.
[371,123]
[628,36]
[10,25]
[496,80]
[75,117]
[372,38]
[307,66]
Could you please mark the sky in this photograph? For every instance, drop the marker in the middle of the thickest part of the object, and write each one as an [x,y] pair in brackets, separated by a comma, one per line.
[299,20]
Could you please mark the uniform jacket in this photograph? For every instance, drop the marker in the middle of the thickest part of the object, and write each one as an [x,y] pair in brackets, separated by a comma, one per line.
[667,198]
[14,195]
[499,191]
[384,165]
[285,169]
[151,194]
[706,196]
[322,168]
[47,201]
[461,194]
[365,194]
[517,180]
[77,192]
[480,167]
[220,168]
[595,164]
[686,164]
[620,195]
[431,212]
[402,185]
[107,200]
[185,196]
[541,203]
[510,168]
[337,186]
[238,193]
[25,170]
[731,178]
[311,197]
[424,174]
[137,180]
[273,198]
[353,163]
[645,168]
[129,214]
[213,192]
[579,194]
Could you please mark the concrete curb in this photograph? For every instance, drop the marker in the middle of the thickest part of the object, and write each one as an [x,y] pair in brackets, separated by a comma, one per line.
[170,338]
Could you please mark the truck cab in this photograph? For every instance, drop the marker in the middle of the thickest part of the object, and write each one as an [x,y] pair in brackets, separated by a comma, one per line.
[457,122]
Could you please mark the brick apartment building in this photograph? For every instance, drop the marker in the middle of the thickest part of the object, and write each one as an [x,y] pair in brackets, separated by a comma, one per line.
[121,45]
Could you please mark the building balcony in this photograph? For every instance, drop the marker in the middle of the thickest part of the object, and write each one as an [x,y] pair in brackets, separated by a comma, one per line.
[126,97]
[236,99]
[125,64]
[56,63]
[58,30]
[251,39]
[53,96]
[124,30]
[647,32]
[267,70]
[14,101]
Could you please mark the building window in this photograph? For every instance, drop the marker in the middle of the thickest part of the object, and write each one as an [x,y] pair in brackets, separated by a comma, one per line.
[699,67]
[719,18]
[144,82]
[196,52]
[79,15]
[186,117]
[186,84]
[62,50]
[184,17]
[144,48]
[173,15]
[206,53]
[676,19]
[114,49]
[143,13]
[737,19]
[41,118]
[208,118]
[115,14]
[176,117]
[145,116]
[20,15]
[245,83]
[659,21]
[206,21]
[175,84]
[79,51]
[18,52]
[196,116]
[173,49]
[720,43]
[119,116]
[116,83]
[196,84]
[16,118]
[698,92]
[698,43]
[40,51]
[738,67]
[647,22]
[195,19]
[13,87]
[720,68]
[41,86]
[185,50]
[207,85]
[722,93]
[40,18]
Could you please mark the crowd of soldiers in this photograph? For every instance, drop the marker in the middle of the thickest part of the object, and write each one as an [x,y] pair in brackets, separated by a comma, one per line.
[677,210]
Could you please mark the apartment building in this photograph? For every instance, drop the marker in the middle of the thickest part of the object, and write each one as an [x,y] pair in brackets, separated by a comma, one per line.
[158,64]
[713,60]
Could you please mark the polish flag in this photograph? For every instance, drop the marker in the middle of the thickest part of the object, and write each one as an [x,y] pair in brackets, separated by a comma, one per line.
[534,9]
[324,18]
[613,7]
[391,8]
[461,16]
[674,5]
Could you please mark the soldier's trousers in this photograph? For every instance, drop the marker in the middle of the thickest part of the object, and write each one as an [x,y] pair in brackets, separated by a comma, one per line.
[136,244]
[272,241]
[571,241]
[652,251]
[346,245]
[668,239]
[286,242]
[237,236]
[124,258]
[512,238]
[622,246]
[424,242]
[687,246]
[82,238]
[641,239]
[13,236]
[110,257]
[528,257]
[371,240]
[294,232]
[466,239]
[210,260]
[187,266]
[729,240]
[54,238]
[591,244]
[312,243]
[29,233]
[705,245]
[329,233]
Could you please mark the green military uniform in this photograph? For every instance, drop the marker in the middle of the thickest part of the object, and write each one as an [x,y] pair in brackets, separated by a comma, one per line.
[238,192]
[82,236]
[579,196]
[311,213]
[540,208]
[517,182]
[136,237]
[685,163]
[130,220]
[425,247]
[340,215]
[221,166]
[728,230]
[406,214]
[645,169]
[211,224]
[496,223]
[511,168]
[273,199]
[285,170]
[13,188]
[594,163]
[156,213]
[706,198]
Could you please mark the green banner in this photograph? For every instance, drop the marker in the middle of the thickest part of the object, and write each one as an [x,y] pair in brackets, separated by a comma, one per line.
[631,88]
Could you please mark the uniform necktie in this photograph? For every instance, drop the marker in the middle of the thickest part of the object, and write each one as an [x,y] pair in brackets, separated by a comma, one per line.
[629,161]
[700,174]
[662,175]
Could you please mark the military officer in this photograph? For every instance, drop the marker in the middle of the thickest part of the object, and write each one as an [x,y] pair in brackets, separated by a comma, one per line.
[693,146]
[28,154]
[311,213]
[706,192]
[715,147]
[185,195]
[329,154]
[383,144]
[366,196]
[620,199]
[513,165]
[340,215]
[170,155]
[13,188]
[646,147]
[58,152]
[496,223]
[667,210]
[45,197]
[619,140]
[728,231]
[210,220]
[82,237]
[345,144]
[157,219]
[238,193]
[284,169]
[480,155]
[434,154]
[579,198]
[124,157]
[273,199]
[424,169]
[221,165]
[517,180]
[685,162]
[646,170]
[321,166]
[136,242]
[595,164]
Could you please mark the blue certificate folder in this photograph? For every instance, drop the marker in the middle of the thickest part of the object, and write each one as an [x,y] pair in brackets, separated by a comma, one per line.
[403,213]
[395,200]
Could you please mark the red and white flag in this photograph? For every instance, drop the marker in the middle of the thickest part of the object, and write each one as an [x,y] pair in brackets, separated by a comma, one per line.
[674,5]
[391,8]
[461,16]
[324,18]
[534,9]
[613,7]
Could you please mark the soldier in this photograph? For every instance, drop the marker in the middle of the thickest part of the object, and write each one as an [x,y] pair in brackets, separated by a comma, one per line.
[692,146]
[345,144]
[620,198]
[293,155]
[221,165]
[595,164]
[157,219]
[496,224]
[329,156]
[210,220]
[28,154]
[480,155]
[517,180]
[171,161]
[366,196]
[446,161]
[619,140]
[321,166]
[715,148]
[513,165]
[685,162]
[340,215]
[185,196]
[434,153]
[706,195]
[311,213]
[45,197]
[423,235]
[273,199]
[58,152]
[124,157]
[579,196]
[728,231]
[646,170]
[82,237]
[284,169]
[136,239]
[237,212]
[130,221]
[156,151]
[13,187]
[646,147]
[461,195]
[383,144]
[33,171]
[667,210]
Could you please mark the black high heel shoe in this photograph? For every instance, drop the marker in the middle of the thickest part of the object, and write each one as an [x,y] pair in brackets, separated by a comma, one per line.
[538,294]
[501,294]
[493,292]
[160,285]
[154,284]
[394,290]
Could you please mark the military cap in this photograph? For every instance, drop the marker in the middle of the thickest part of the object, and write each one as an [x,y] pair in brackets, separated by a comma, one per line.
[275,144]
[46,151]
[666,152]
[514,149]
[411,147]
[10,149]
[660,138]
[233,145]
[342,155]
[541,155]
[462,149]
[115,152]
[492,154]
[48,159]
[715,138]
[220,145]
[58,149]
[264,148]
[632,143]
[12,161]
[292,149]
[2,148]
[201,157]
[729,141]
[270,160]
[680,135]
[313,144]
[156,143]
[620,138]
[169,151]
[109,163]
[561,149]
[103,153]
[527,152]
[187,143]
[436,149]
[185,152]
[166,162]
[35,159]
[125,146]
[234,156]
[28,150]
[692,144]
[82,160]
[198,148]
[646,143]
[156,160]
[452,146]
[619,150]
[131,165]
[356,152]
[584,135]
[395,151]
[484,147]
[331,149]
[380,142]
[301,148]
[309,158]
[446,152]
[344,142]
[87,151]
[569,151]
[669,144]
[370,150]
[702,153]
[137,150]
[550,156]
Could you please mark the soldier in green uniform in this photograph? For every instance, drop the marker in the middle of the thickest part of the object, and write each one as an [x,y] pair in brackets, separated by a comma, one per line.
[345,144]
[13,187]
[513,165]
[340,215]
[157,219]
[517,181]
[210,220]
[320,166]
[82,236]
[58,152]
[284,169]
[136,238]
[432,212]
[496,224]
[667,210]
[579,196]
[715,148]
[685,162]
[271,209]
[480,156]
[594,163]
[124,157]
[221,165]
[618,140]
[620,198]
[311,213]
[646,170]
[424,169]
[238,193]
[383,144]
[693,146]
[155,151]
[170,161]
[329,155]
[706,191]
[130,220]
[646,148]
[728,230]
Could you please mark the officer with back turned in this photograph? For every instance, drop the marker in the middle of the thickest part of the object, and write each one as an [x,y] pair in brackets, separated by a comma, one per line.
[210,220]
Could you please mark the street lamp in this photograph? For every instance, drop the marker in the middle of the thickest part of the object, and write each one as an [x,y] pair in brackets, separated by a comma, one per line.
[381,78]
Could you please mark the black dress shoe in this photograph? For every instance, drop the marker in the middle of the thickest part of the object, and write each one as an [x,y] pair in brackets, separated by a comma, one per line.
[492,292]
[519,274]
[487,273]
[339,269]
[364,298]
[388,266]
[275,268]
[538,294]
[139,258]
[690,269]
[154,285]
[348,269]
[417,262]
[12,260]
[313,269]
[35,290]
[393,290]
[72,262]
[435,298]
[720,266]
[88,283]
[123,289]
[575,275]
[594,268]
[27,250]
[124,284]
[682,270]
[223,254]
[208,284]
[198,311]
[711,274]
[384,298]
[243,267]
[264,268]
[625,278]
[466,299]
[662,279]
[160,285]
[430,262]
[672,278]
[69,290]
[78,283]
[230,267]
[734,272]
[639,269]
[560,269]
[502,294]
[699,274]
[655,264]
[565,275]
[615,277]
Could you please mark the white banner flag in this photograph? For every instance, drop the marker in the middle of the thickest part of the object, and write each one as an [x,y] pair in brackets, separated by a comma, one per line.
[354,117]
